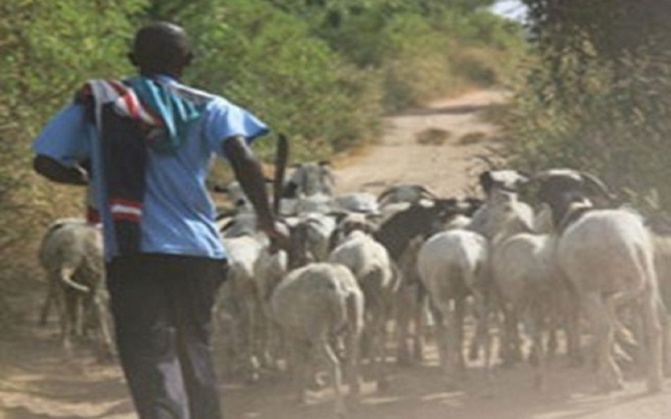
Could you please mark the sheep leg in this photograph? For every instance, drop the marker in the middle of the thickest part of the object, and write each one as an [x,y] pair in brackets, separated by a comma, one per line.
[301,373]
[482,331]
[72,291]
[352,345]
[439,315]
[79,314]
[103,325]
[378,336]
[251,362]
[48,301]
[610,377]
[572,330]
[420,325]
[653,331]
[458,336]
[537,322]
[553,327]
[63,317]
[511,351]
[326,351]
[665,321]
[440,336]
[474,347]
[403,314]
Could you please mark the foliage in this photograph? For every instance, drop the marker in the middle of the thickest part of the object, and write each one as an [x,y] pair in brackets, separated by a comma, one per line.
[322,71]
[599,97]
[305,90]
[46,50]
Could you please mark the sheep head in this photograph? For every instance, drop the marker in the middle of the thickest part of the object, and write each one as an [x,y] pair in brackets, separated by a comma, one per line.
[508,180]
[565,190]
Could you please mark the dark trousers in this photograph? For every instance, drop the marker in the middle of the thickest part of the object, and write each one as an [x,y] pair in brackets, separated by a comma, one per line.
[162,309]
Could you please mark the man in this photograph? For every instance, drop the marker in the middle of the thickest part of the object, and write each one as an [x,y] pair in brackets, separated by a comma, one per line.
[147,143]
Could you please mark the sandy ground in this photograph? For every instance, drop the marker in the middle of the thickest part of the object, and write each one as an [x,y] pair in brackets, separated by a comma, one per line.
[37,381]
[436,146]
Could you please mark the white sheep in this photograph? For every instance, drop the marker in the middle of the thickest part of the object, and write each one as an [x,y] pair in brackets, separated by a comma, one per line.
[453,265]
[501,215]
[243,252]
[528,284]
[71,253]
[361,202]
[608,256]
[313,305]
[320,229]
[310,179]
[411,306]
[411,194]
[370,263]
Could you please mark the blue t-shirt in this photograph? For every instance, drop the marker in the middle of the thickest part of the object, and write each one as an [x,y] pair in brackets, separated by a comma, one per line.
[178,214]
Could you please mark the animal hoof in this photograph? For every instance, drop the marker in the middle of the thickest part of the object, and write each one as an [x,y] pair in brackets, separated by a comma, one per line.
[383,384]
[252,378]
[451,385]
[473,354]
[340,411]
[609,387]
[655,385]
[403,359]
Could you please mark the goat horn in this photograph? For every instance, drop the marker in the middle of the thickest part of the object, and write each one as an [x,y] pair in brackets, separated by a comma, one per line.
[596,185]
[385,194]
[425,192]
[487,160]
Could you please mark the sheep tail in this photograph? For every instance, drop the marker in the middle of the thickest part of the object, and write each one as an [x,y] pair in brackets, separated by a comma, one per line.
[65,275]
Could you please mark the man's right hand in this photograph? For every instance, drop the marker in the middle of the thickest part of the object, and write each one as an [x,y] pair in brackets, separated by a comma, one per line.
[279,235]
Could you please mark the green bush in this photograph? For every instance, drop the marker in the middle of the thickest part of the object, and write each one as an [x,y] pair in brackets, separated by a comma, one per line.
[598,97]
[266,60]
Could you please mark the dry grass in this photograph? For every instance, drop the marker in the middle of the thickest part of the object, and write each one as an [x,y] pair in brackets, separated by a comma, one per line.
[433,136]
[472,138]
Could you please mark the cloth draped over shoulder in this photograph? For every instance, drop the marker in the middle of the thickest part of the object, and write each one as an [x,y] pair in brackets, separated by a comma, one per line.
[133,116]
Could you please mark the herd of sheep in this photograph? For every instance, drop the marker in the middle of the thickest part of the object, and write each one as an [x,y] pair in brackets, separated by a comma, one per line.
[362,268]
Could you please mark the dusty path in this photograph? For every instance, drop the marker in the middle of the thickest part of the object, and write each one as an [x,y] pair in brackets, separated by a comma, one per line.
[435,146]
[38,382]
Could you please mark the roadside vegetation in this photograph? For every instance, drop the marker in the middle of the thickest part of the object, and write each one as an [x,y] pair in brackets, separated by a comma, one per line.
[322,71]
[596,95]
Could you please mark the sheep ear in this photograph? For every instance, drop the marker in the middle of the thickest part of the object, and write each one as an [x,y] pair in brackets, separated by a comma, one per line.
[338,215]
[369,227]
[525,178]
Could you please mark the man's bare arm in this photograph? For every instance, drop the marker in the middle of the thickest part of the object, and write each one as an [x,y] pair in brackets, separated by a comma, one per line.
[249,173]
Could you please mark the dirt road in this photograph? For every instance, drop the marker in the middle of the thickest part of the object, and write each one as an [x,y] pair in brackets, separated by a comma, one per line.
[434,146]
